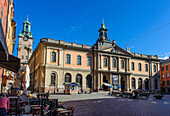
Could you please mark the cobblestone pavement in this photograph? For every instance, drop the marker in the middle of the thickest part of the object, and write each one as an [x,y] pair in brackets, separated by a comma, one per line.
[114,106]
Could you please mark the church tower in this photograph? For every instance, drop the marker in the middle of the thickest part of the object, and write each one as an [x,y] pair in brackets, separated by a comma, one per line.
[25,43]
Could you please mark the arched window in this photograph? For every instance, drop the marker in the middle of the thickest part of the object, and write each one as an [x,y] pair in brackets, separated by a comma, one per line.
[122,64]
[105,62]
[133,66]
[154,68]
[78,60]
[140,83]
[133,83]
[79,80]
[88,81]
[68,59]
[53,56]
[68,77]
[140,67]
[114,63]
[53,77]
[146,67]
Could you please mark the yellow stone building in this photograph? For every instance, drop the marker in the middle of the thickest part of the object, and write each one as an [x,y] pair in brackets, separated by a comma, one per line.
[57,64]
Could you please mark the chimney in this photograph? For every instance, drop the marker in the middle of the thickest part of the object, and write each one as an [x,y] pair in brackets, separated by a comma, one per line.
[128,49]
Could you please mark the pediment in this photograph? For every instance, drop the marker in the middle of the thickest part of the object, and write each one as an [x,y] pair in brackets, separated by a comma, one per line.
[117,49]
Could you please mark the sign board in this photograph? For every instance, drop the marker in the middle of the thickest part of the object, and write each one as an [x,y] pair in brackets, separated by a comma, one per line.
[115,79]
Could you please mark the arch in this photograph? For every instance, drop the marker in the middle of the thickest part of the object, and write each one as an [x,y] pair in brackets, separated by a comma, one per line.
[146,84]
[79,80]
[133,83]
[53,78]
[139,83]
[89,81]
[68,77]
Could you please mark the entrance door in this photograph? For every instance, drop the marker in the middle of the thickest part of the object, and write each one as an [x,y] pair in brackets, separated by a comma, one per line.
[105,80]
[122,84]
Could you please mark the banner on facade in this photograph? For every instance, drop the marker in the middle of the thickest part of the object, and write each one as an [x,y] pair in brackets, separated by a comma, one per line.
[115,79]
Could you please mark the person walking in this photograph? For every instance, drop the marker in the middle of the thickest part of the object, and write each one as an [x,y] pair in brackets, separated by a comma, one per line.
[4,104]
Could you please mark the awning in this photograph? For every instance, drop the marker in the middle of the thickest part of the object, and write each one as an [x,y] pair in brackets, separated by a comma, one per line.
[7,61]
[107,84]
[13,64]
[73,84]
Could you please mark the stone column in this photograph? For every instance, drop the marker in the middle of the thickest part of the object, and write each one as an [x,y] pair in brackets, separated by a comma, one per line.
[130,82]
[101,61]
[110,63]
[127,82]
[59,57]
[126,66]
[130,65]
[118,64]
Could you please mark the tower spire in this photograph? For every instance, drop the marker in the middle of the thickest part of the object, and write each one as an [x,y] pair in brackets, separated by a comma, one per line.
[27,17]
[103,21]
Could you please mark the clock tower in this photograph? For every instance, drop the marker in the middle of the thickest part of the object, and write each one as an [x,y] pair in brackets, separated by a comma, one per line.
[25,43]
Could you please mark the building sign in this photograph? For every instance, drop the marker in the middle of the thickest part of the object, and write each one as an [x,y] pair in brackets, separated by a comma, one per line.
[115,79]
[115,82]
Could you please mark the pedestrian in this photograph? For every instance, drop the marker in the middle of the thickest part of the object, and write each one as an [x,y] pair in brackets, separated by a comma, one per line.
[4,104]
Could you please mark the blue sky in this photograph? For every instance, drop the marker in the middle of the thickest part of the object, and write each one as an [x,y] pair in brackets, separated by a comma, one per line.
[78,21]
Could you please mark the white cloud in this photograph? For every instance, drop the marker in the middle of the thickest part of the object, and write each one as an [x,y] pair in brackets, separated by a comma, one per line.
[164,56]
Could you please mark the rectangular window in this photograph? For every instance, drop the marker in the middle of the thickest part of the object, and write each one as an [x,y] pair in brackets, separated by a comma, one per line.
[146,67]
[89,60]
[163,83]
[122,64]
[140,67]
[166,67]
[133,66]
[78,60]
[167,82]
[53,56]
[68,59]
[27,57]
[162,68]
[163,75]
[105,62]
[154,68]
[167,75]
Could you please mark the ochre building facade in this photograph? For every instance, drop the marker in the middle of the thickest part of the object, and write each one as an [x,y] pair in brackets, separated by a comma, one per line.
[104,65]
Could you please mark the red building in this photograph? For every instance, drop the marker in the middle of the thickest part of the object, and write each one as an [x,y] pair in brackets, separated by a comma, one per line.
[164,75]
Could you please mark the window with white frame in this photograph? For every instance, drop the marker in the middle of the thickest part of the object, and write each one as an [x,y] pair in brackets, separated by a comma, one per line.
[167,75]
[163,75]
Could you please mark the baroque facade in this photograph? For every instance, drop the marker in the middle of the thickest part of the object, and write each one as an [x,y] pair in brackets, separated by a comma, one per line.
[104,65]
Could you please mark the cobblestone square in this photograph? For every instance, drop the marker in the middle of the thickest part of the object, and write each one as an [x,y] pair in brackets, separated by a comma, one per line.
[99,104]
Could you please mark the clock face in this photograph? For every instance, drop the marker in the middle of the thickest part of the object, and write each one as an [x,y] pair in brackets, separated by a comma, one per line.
[25,38]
